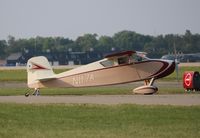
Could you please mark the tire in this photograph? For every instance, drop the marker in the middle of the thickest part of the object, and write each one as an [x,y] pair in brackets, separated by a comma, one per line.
[27,94]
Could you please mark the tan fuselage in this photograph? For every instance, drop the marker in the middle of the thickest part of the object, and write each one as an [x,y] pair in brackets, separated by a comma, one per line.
[106,76]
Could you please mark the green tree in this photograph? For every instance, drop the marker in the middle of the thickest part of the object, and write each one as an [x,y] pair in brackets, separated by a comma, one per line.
[3,46]
[129,40]
[155,46]
[105,43]
[87,41]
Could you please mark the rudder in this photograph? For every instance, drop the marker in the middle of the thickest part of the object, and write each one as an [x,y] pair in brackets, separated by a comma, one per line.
[38,68]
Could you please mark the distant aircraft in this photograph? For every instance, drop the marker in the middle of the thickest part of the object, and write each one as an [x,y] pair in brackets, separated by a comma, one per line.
[117,68]
[193,57]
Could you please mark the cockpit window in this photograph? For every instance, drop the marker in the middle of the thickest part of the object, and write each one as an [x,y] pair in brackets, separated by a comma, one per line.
[117,61]
[122,60]
[107,63]
[138,58]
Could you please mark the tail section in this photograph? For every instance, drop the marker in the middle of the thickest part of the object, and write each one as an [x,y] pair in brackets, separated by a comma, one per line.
[39,69]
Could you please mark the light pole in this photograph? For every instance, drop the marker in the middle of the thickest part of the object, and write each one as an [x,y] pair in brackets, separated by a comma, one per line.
[35,44]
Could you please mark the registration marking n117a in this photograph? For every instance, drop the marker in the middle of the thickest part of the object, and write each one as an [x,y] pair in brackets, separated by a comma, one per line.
[83,79]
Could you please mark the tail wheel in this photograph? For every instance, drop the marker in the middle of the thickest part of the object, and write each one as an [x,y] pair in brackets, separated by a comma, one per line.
[27,94]
[28,91]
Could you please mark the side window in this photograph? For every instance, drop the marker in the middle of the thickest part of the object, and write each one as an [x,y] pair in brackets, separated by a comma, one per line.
[137,58]
[122,60]
[107,63]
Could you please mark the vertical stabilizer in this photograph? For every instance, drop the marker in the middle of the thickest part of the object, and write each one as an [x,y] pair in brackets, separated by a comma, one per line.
[38,68]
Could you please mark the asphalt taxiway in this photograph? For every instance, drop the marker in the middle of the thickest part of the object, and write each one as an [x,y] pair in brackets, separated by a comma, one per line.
[173,99]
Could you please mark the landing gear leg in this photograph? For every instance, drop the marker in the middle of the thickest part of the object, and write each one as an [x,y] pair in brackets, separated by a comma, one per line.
[151,82]
[148,88]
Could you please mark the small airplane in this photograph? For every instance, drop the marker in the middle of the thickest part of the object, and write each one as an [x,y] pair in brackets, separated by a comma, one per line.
[117,68]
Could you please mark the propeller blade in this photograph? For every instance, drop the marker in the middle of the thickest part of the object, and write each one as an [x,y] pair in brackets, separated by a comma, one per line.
[177,69]
[176,62]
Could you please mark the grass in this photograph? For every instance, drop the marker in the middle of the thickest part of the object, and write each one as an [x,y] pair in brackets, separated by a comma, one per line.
[13,75]
[171,90]
[89,121]
[86,91]
[21,75]
[69,91]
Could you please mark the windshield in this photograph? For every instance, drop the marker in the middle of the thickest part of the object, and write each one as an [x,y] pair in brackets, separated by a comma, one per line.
[139,58]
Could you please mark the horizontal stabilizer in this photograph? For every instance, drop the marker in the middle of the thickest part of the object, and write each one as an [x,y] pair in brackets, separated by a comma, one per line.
[47,78]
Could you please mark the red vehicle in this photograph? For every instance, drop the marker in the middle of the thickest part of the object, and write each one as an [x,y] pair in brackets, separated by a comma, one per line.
[191,81]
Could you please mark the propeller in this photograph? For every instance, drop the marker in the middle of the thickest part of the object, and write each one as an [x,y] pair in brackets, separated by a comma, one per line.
[176,63]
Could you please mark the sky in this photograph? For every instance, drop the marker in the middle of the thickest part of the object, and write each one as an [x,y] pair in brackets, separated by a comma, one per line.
[74,18]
